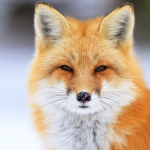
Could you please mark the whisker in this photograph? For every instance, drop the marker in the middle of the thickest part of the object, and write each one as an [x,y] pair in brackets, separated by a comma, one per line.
[49,93]
[107,105]
[58,104]
[53,102]
[113,92]
[52,88]
[96,98]
[102,106]
[42,87]
[111,100]
[65,106]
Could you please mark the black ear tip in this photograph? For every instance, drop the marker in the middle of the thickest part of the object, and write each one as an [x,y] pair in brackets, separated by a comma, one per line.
[125,4]
[44,3]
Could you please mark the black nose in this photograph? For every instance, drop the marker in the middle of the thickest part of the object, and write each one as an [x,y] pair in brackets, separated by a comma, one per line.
[83,97]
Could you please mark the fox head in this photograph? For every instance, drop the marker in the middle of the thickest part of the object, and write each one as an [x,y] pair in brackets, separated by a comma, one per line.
[84,66]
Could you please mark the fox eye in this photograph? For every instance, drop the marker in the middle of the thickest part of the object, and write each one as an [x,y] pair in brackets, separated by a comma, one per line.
[66,68]
[100,68]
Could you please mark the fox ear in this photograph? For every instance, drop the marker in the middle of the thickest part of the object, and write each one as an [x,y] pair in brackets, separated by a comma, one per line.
[50,25]
[117,26]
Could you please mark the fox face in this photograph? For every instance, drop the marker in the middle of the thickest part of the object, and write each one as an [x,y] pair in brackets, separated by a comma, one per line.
[85,84]
[84,66]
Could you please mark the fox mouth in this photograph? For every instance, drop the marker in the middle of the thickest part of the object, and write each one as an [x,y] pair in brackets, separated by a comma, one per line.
[84,107]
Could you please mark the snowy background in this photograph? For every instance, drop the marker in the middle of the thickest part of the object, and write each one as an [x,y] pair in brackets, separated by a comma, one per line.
[16,52]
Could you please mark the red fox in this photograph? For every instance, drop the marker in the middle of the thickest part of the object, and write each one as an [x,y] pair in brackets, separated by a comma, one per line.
[85,86]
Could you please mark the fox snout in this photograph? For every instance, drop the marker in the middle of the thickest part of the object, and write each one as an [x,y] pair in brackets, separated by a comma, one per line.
[83,97]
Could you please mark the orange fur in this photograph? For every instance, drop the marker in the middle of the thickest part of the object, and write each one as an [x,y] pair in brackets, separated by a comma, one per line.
[38,118]
[83,43]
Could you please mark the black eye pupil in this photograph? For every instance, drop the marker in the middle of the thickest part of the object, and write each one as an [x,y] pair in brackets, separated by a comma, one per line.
[100,68]
[66,68]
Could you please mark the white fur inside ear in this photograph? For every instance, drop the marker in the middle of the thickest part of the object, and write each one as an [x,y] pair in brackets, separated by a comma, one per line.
[48,23]
[118,25]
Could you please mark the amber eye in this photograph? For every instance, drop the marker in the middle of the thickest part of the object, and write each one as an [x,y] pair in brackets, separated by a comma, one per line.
[100,68]
[66,68]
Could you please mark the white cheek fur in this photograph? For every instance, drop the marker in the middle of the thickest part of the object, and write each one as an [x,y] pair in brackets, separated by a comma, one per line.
[73,128]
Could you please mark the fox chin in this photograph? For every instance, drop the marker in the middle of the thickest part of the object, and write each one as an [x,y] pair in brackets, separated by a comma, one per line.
[86,87]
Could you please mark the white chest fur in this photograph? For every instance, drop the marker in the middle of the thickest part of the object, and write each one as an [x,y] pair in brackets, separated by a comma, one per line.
[72,132]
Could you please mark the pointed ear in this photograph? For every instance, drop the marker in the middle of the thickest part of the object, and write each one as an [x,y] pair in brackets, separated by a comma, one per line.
[50,25]
[117,26]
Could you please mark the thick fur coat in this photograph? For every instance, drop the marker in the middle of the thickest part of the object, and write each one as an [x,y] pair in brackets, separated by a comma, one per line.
[96,57]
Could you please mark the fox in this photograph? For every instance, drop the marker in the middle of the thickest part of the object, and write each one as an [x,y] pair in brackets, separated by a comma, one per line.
[86,86]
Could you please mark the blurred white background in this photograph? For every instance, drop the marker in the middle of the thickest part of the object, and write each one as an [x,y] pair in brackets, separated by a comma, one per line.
[16,52]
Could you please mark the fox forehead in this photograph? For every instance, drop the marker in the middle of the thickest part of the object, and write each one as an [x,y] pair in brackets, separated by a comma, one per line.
[83,50]
[83,43]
